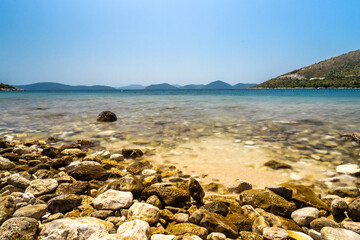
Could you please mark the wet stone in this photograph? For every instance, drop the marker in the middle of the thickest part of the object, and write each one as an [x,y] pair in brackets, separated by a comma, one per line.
[132,153]
[338,207]
[196,191]
[217,207]
[304,216]
[106,116]
[345,191]
[281,191]
[277,165]
[319,223]
[239,186]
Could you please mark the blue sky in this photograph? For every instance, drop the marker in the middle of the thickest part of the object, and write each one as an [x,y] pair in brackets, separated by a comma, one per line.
[121,42]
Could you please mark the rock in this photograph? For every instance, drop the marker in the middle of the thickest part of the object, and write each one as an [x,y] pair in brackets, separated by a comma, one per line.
[354,209]
[117,157]
[187,236]
[352,192]
[214,222]
[239,186]
[182,228]
[304,216]
[268,201]
[275,233]
[260,224]
[134,230]
[145,212]
[106,116]
[181,217]
[299,235]
[241,221]
[31,211]
[353,226]
[132,153]
[102,214]
[113,200]
[338,206]
[148,172]
[87,170]
[282,191]
[277,165]
[19,228]
[18,181]
[319,223]
[6,164]
[196,191]
[246,235]
[128,183]
[74,228]
[162,237]
[216,236]
[41,186]
[168,193]
[64,203]
[7,206]
[50,152]
[305,195]
[154,200]
[73,152]
[77,187]
[328,233]
[217,207]
[351,169]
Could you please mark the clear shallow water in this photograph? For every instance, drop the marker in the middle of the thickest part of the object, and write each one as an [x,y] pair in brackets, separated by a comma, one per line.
[310,117]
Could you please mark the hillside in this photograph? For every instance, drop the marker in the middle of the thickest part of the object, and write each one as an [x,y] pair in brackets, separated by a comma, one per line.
[132,87]
[217,85]
[6,87]
[162,86]
[51,86]
[338,72]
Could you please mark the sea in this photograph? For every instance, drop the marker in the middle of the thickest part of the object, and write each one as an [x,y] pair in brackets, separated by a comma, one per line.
[291,124]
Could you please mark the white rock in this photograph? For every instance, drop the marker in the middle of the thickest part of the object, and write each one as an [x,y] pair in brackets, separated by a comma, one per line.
[348,169]
[162,237]
[148,172]
[74,228]
[249,142]
[41,186]
[216,236]
[18,181]
[329,233]
[113,200]
[117,157]
[134,230]
[145,212]
[275,233]
[298,235]
[181,217]
[304,216]
[6,164]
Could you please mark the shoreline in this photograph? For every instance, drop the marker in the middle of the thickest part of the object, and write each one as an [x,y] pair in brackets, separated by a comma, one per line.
[47,182]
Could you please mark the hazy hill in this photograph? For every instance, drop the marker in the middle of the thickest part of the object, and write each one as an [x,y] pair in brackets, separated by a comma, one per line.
[162,86]
[338,72]
[193,86]
[132,87]
[51,86]
[243,85]
[218,85]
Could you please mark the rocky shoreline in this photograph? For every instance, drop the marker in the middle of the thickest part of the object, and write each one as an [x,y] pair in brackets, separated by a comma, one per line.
[56,190]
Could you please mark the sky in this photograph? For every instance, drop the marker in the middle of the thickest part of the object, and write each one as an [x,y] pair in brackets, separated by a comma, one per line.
[122,42]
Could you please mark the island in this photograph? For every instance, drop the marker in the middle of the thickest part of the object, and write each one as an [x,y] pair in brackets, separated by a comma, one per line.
[6,87]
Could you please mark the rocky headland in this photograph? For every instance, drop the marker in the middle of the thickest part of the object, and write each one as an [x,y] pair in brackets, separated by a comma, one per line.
[60,190]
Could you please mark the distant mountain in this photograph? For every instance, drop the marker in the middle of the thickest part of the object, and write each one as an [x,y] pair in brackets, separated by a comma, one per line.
[218,85]
[132,87]
[243,85]
[51,86]
[6,87]
[162,86]
[193,86]
[338,72]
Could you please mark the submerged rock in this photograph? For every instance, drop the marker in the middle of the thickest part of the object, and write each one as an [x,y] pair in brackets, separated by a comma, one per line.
[277,165]
[106,116]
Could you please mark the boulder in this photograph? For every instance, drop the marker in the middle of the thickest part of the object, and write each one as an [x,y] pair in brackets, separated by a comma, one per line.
[77,187]
[74,228]
[275,233]
[353,226]
[86,170]
[182,228]
[18,181]
[319,223]
[196,191]
[22,228]
[239,186]
[306,196]
[338,206]
[106,116]
[246,235]
[6,164]
[216,236]
[347,191]
[267,200]
[63,203]
[128,183]
[134,230]
[304,216]
[7,206]
[169,194]
[132,153]
[214,222]
[41,186]
[50,152]
[113,200]
[354,209]
[281,191]
[277,165]
[145,212]
[31,211]
[218,207]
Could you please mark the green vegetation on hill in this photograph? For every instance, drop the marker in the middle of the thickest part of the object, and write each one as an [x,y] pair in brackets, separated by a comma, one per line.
[339,72]
[5,86]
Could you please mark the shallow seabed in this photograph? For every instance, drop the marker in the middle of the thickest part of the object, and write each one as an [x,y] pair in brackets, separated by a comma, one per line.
[218,135]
